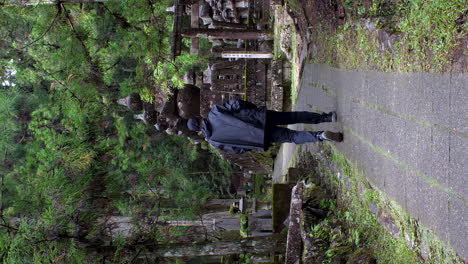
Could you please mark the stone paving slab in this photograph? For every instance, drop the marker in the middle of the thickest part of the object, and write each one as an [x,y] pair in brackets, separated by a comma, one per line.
[407,132]
[458,226]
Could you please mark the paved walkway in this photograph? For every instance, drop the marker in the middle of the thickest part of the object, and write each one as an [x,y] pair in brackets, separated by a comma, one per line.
[407,132]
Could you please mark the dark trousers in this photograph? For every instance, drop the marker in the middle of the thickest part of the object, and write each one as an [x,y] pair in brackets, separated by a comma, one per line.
[274,133]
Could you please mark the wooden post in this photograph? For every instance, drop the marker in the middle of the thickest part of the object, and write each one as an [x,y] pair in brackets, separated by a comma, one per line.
[226,33]
[227,64]
[219,24]
[247,54]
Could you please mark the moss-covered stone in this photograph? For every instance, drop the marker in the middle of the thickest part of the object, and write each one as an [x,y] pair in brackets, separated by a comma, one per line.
[295,174]
[362,256]
[264,158]
[281,204]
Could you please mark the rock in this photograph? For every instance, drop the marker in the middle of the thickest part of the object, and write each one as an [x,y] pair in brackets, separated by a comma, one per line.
[205,13]
[386,40]
[228,4]
[362,256]
[386,220]
[385,36]
[171,131]
[158,127]
[313,252]
[242,4]
[424,252]
[314,195]
[140,117]
[181,127]
[161,124]
[159,100]
[188,101]
[133,102]
[217,15]
[196,140]
[285,41]
[172,120]
[189,78]
[338,260]
[372,207]
[207,75]
[150,114]
[295,174]
[147,118]
[168,110]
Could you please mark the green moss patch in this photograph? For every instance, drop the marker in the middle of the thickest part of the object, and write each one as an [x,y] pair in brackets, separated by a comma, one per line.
[405,36]
[362,217]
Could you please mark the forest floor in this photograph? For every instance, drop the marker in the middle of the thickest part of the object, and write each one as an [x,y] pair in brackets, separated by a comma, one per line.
[400,167]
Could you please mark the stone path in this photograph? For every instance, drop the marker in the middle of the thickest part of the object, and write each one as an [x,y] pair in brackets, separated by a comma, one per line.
[408,133]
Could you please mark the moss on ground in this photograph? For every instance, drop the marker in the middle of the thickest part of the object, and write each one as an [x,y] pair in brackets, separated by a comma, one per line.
[426,36]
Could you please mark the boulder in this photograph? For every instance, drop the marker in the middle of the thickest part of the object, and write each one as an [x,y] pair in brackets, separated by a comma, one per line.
[159,100]
[160,127]
[181,127]
[161,124]
[149,115]
[188,101]
[168,109]
[171,131]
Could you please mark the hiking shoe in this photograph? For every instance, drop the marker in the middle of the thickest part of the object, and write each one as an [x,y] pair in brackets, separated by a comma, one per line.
[332,117]
[331,136]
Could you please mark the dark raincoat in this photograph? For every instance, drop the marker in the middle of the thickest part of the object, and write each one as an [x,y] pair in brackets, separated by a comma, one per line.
[235,127]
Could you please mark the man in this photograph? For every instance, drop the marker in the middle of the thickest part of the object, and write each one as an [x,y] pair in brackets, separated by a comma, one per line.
[238,126]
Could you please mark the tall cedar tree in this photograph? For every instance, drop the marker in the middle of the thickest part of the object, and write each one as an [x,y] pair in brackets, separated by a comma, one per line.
[71,157]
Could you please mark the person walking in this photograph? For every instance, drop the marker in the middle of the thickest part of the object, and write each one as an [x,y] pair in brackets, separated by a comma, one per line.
[239,126]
